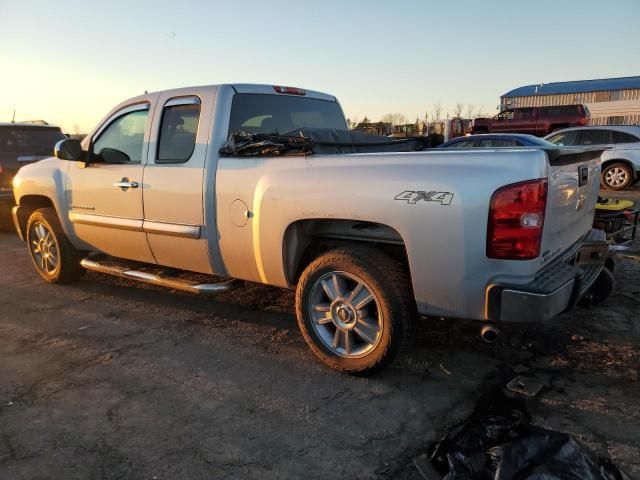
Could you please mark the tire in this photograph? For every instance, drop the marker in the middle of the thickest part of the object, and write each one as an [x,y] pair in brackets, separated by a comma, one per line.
[53,255]
[361,325]
[616,176]
[601,289]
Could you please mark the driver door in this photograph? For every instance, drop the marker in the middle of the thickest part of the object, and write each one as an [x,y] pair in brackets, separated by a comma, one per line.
[502,122]
[105,195]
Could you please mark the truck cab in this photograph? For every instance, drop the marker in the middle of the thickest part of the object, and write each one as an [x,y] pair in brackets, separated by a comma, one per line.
[539,121]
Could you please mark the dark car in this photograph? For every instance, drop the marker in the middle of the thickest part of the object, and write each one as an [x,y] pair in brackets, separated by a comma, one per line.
[494,140]
[22,143]
[539,121]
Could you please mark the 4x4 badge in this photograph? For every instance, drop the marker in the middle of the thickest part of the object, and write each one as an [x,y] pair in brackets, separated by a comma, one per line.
[412,197]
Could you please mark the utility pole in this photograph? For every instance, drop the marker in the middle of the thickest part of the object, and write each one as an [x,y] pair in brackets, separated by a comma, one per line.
[13,118]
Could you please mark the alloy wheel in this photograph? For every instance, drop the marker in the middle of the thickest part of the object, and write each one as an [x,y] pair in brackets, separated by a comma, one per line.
[345,314]
[44,248]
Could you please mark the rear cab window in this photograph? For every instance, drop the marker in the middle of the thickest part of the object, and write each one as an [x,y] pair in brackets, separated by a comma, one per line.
[256,113]
[178,129]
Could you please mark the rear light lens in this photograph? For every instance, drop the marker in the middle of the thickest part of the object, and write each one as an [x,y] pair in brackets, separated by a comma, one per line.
[289,90]
[583,120]
[516,219]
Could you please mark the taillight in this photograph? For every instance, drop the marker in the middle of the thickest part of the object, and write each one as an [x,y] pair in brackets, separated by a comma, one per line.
[289,90]
[583,120]
[516,219]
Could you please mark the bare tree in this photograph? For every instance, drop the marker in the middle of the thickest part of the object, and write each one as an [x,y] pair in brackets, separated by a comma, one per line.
[437,110]
[457,112]
[365,120]
[395,119]
[471,109]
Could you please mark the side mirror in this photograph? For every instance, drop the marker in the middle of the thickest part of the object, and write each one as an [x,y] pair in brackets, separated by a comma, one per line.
[111,155]
[69,150]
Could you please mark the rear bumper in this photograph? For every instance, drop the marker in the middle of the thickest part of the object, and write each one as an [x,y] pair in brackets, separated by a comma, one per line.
[555,290]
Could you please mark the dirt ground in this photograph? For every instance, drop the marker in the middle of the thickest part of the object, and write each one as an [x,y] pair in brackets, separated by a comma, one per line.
[107,379]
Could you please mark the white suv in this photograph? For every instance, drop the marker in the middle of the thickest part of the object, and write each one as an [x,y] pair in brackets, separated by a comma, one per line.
[620,163]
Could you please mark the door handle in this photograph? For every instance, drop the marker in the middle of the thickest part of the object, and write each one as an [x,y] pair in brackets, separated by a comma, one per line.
[125,184]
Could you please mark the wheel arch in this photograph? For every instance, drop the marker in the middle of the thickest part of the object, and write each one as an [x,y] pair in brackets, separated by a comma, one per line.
[28,205]
[304,240]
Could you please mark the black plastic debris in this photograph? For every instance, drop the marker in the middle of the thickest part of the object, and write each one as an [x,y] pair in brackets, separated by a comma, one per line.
[305,141]
[498,442]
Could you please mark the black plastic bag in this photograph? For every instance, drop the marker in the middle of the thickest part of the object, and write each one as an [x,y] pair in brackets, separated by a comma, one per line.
[497,442]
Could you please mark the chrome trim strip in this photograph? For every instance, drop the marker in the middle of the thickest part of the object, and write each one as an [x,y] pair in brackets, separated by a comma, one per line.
[172,229]
[106,221]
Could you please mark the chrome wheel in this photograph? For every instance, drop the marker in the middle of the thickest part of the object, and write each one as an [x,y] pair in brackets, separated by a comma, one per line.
[616,177]
[43,247]
[345,314]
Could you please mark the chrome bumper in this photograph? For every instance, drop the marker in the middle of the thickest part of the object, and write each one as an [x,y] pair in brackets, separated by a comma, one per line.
[556,289]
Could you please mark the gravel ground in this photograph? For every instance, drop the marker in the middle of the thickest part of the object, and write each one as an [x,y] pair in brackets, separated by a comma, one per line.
[106,379]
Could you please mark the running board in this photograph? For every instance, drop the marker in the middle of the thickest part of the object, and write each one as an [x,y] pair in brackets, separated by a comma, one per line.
[122,270]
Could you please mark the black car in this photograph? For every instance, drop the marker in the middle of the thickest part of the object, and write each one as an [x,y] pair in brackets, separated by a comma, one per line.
[495,140]
[22,143]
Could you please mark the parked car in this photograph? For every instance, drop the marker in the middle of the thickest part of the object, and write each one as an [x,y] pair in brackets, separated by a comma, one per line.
[22,143]
[228,180]
[621,157]
[494,140]
[539,121]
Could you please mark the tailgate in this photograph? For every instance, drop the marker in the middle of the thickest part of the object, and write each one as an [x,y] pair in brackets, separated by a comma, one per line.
[574,181]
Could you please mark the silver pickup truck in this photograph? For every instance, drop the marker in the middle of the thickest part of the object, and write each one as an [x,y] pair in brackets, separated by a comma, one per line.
[222,181]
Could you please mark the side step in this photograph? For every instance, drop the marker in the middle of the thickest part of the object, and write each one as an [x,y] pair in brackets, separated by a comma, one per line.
[120,268]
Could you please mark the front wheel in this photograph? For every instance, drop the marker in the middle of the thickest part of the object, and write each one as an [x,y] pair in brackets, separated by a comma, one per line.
[355,308]
[616,176]
[53,255]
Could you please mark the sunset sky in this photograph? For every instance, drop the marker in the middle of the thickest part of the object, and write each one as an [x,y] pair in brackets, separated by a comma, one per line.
[69,62]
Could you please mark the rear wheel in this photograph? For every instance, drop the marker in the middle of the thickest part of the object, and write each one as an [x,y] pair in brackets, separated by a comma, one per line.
[355,308]
[53,255]
[616,176]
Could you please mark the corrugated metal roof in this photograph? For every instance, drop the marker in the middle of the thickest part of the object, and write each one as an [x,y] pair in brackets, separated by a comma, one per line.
[579,86]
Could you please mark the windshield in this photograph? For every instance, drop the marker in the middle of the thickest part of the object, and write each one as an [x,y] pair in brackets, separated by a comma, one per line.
[257,113]
[29,140]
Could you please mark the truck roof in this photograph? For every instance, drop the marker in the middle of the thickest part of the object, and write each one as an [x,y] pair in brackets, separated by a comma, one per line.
[252,88]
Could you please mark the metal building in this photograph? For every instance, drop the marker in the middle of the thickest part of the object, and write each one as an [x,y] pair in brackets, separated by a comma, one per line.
[611,101]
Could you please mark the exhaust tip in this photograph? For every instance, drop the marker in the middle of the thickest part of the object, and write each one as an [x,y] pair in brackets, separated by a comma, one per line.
[489,333]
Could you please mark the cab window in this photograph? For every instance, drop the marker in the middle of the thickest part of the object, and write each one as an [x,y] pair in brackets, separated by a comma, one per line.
[505,115]
[178,132]
[123,139]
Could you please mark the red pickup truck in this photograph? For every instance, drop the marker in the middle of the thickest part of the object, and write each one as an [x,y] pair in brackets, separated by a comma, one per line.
[539,121]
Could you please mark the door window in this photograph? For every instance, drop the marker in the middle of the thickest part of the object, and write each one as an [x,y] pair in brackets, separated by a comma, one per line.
[123,139]
[505,115]
[492,143]
[594,137]
[564,139]
[462,144]
[178,132]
